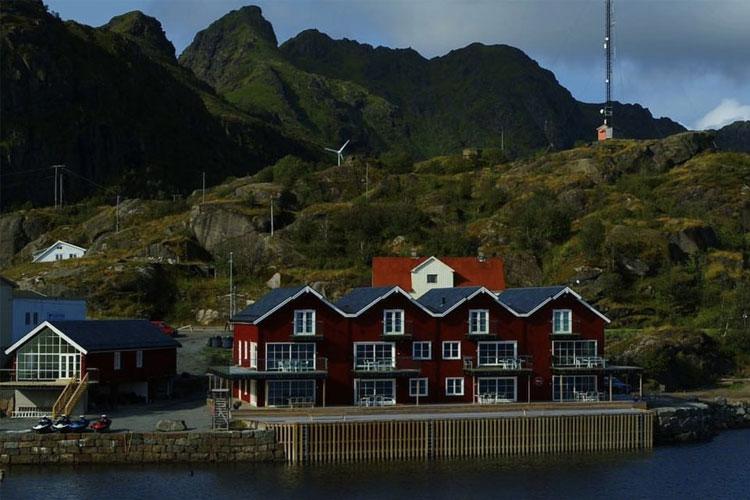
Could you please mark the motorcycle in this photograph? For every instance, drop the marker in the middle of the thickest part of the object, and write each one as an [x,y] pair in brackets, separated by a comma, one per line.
[43,426]
[79,425]
[102,425]
[62,424]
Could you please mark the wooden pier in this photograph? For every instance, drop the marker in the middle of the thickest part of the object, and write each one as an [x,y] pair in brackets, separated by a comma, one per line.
[473,435]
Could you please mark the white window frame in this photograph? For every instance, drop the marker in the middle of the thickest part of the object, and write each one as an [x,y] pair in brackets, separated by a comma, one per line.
[391,344]
[430,275]
[358,381]
[426,382]
[421,343]
[291,345]
[453,379]
[139,359]
[300,327]
[118,360]
[514,379]
[479,331]
[254,354]
[569,313]
[386,322]
[451,342]
[495,343]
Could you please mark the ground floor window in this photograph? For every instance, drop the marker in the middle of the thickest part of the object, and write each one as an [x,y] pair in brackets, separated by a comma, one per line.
[290,392]
[497,388]
[375,391]
[454,386]
[418,387]
[572,386]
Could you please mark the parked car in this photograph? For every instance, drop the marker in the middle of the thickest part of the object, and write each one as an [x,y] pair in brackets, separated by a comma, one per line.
[165,328]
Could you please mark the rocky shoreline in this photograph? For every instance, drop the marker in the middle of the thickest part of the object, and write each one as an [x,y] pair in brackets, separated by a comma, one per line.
[682,421]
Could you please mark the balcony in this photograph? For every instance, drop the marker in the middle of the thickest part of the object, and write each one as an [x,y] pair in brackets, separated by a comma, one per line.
[316,335]
[271,369]
[498,365]
[373,368]
[492,331]
[17,378]
[406,334]
[579,363]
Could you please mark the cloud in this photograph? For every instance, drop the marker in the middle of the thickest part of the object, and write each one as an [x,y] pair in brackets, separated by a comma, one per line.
[728,111]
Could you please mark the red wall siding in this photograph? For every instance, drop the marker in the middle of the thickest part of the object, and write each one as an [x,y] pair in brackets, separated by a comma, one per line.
[156,363]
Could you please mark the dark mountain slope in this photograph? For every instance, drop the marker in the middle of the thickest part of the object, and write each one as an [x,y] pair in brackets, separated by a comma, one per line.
[113,105]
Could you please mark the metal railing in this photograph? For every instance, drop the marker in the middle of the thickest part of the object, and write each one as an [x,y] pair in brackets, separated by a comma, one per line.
[288,365]
[385,364]
[579,361]
[498,362]
[11,375]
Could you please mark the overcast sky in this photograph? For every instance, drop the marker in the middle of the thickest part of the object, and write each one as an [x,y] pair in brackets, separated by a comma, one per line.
[686,59]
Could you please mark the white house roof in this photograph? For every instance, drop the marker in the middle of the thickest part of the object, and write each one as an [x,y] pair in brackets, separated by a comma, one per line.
[429,261]
[41,253]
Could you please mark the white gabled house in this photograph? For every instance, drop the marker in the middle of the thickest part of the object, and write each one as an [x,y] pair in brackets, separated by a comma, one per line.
[432,273]
[60,250]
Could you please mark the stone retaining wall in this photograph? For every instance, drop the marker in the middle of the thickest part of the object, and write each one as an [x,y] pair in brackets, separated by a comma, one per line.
[234,446]
[692,421]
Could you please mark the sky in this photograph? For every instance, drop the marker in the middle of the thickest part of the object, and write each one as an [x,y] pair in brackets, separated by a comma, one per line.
[685,59]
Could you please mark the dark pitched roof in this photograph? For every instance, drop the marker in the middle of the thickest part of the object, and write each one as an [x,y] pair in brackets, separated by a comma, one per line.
[266,303]
[111,335]
[358,298]
[439,300]
[8,282]
[524,300]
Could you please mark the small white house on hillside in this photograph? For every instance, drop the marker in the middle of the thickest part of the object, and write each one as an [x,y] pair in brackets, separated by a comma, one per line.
[60,250]
[432,273]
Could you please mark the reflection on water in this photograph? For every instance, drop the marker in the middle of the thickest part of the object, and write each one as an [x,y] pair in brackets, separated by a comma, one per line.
[719,469]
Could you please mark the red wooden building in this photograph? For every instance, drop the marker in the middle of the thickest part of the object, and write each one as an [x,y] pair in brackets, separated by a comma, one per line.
[379,346]
[115,356]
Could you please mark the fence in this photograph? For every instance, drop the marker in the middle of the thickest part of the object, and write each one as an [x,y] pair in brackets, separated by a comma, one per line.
[467,437]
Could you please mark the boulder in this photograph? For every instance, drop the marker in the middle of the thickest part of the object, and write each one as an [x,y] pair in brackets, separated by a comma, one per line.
[690,241]
[635,266]
[206,316]
[171,425]
[275,281]
[213,225]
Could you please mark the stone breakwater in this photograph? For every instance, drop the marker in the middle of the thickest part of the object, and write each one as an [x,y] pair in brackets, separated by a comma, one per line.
[234,446]
[691,421]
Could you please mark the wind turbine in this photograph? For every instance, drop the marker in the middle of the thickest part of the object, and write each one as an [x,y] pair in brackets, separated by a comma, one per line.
[339,153]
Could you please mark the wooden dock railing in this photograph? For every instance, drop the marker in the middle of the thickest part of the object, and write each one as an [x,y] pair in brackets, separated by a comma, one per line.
[466,437]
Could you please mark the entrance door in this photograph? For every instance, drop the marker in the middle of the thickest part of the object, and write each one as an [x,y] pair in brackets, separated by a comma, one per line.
[68,365]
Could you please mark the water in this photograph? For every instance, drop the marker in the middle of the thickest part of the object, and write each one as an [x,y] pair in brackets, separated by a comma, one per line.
[718,469]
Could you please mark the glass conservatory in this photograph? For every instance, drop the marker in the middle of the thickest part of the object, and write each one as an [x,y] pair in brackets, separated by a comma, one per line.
[47,357]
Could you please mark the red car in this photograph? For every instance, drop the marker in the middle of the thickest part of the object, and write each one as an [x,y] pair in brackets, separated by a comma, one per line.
[165,328]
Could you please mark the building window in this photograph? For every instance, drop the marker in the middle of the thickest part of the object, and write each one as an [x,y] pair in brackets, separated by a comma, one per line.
[28,318]
[573,352]
[118,360]
[479,322]
[289,392]
[496,353]
[454,386]
[418,387]
[374,391]
[304,322]
[451,349]
[421,350]
[47,357]
[432,278]
[561,321]
[571,386]
[59,256]
[393,322]
[290,357]
[139,359]
[71,256]
[494,389]
[36,319]
[374,355]
[254,354]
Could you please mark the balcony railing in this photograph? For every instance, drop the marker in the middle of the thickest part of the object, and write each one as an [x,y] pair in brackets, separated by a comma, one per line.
[281,365]
[384,365]
[579,361]
[406,332]
[491,330]
[10,376]
[498,363]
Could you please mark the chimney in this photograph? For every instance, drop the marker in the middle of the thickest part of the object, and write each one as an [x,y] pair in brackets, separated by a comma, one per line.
[480,256]
[442,301]
[413,253]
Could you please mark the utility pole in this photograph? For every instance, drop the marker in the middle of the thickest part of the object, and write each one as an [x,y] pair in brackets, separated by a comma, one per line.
[117,214]
[58,185]
[502,139]
[271,215]
[367,181]
[61,189]
[203,202]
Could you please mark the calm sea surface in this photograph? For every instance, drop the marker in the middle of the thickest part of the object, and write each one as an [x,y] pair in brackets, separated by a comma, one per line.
[719,469]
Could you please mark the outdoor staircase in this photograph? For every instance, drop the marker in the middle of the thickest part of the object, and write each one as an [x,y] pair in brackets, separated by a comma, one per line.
[70,396]
[220,415]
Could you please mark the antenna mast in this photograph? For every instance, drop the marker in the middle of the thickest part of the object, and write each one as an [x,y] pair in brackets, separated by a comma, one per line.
[605,131]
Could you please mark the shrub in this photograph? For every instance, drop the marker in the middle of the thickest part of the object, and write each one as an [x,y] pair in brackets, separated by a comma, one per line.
[397,162]
[592,236]
[540,222]
[287,170]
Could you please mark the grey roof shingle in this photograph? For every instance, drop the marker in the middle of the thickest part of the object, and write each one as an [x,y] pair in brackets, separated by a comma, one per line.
[525,300]
[439,300]
[112,335]
[266,303]
[358,298]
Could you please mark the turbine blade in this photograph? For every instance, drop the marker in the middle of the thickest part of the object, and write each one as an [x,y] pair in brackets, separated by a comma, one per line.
[331,150]
[345,144]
